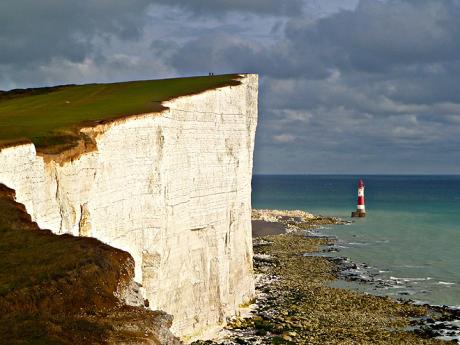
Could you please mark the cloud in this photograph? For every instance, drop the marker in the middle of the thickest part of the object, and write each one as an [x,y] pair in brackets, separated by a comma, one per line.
[345,84]
[375,37]
[36,35]
[284,138]
[379,35]
[261,7]
[382,96]
[221,52]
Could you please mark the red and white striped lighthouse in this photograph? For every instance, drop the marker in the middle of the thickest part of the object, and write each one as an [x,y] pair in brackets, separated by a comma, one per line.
[360,209]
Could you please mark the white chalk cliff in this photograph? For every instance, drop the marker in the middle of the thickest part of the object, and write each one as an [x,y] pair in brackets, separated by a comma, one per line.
[172,188]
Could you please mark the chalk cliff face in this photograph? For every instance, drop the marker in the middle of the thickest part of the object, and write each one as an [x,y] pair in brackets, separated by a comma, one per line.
[173,189]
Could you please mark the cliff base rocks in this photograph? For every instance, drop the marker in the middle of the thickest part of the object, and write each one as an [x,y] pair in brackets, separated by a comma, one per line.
[295,305]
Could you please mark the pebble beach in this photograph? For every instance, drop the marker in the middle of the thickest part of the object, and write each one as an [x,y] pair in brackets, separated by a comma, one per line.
[295,303]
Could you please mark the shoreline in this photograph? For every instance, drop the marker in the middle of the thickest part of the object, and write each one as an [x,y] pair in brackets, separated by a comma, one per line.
[296,304]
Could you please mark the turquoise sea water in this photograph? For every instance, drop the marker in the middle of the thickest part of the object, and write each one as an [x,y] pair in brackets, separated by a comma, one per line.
[410,237]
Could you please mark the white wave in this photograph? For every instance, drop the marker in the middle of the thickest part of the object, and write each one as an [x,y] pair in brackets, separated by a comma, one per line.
[406,292]
[445,283]
[455,338]
[410,279]
[420,302]
[411,266]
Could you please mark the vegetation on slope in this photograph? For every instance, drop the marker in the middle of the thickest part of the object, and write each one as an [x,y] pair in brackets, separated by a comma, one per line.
[51,117]
[60,289]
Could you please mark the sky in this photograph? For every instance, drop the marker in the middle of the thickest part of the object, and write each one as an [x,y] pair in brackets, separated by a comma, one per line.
[346,86]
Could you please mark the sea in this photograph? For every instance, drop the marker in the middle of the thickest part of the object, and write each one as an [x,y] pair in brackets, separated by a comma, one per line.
[409,241]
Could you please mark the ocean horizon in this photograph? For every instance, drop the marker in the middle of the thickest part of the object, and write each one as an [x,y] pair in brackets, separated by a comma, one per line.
[408,240]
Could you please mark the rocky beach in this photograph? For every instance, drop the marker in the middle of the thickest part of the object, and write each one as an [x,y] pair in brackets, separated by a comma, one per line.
[295,303]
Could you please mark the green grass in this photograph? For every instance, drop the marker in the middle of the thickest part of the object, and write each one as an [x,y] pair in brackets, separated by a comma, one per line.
[51,117]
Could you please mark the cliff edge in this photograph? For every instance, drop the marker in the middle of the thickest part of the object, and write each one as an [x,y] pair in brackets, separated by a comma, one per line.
[171,187]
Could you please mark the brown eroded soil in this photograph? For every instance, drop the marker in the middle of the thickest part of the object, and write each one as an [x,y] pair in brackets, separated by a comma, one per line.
[62,289]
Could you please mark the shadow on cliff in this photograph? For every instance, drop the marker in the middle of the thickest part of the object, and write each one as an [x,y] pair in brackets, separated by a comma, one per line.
[62,289]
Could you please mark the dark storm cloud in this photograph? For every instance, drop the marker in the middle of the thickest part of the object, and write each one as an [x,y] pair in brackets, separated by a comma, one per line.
[390,100]
[380,35]
[38,31]
[369,86]
[265,7]
[400,37]
[221,52]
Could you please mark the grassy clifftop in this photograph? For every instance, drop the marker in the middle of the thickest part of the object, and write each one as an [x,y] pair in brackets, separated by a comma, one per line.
[51,117]
[63,289]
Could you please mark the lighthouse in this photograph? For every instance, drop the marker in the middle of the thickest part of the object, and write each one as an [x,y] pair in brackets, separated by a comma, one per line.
[360,209]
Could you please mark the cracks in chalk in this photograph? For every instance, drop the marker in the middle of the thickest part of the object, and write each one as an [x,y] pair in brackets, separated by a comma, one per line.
[172,118]
[58,198]
[205,112]
[80,222]
[84,224]
[126,234]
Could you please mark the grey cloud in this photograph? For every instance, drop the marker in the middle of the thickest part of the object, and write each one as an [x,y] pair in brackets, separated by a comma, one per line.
[375,37]
[379,35]
[374,86]
[263,7]
[335,140]
[221,52]
[38,31]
